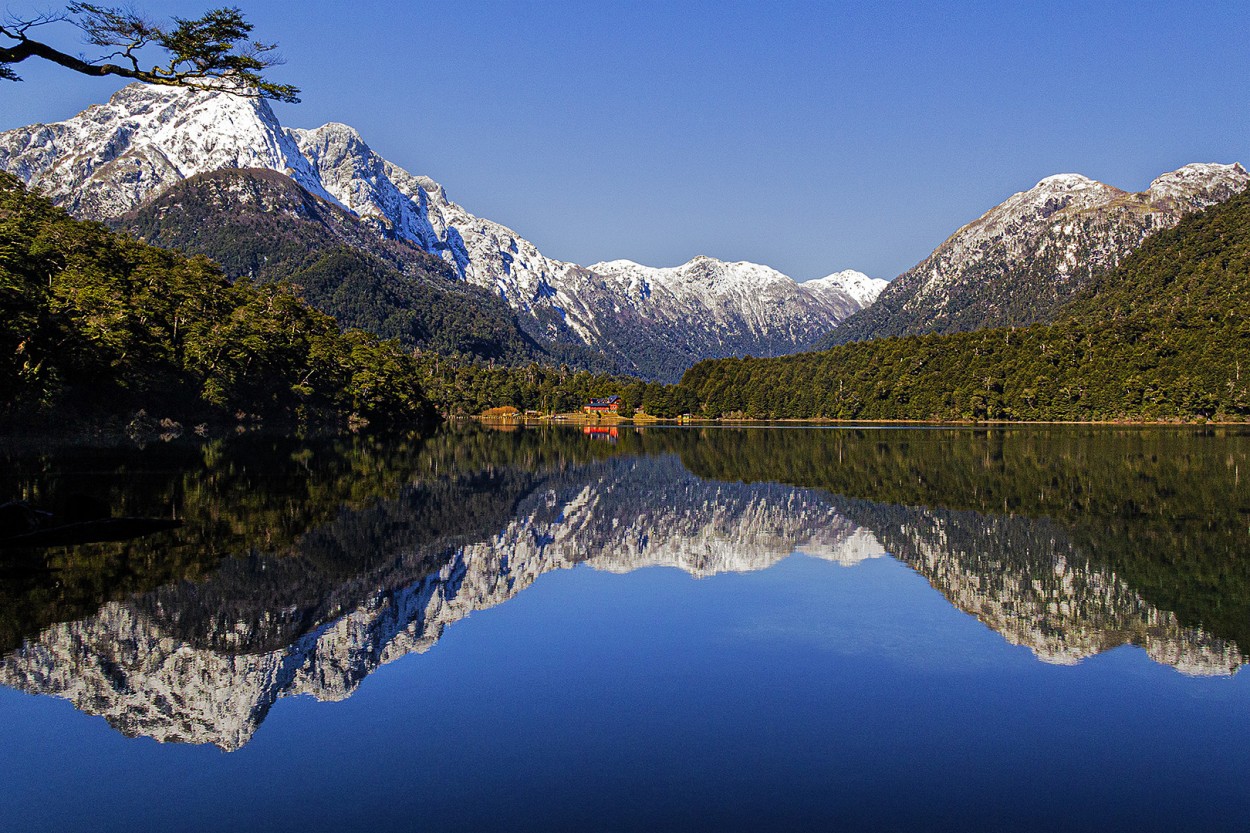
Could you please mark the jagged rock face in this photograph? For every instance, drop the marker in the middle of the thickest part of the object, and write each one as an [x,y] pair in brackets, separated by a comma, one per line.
[654,322]
[731,308]
[242,192]
[262,225]
[113,158]
[133,663]
[1019,262]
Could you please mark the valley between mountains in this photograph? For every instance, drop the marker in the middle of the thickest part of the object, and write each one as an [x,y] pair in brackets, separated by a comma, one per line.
[478,317]
[162,162]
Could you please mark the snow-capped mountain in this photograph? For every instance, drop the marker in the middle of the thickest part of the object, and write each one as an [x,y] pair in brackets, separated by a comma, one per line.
[707,305]
[261,225]
[112,158]
[1021,260]
[859,286]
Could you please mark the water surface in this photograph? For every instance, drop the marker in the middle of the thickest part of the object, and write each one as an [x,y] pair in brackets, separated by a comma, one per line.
[712,628]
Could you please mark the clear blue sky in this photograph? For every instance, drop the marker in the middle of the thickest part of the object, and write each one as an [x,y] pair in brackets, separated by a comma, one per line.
[808,136]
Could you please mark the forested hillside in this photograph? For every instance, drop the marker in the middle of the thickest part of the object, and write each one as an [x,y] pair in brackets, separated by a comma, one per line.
[1164,336]
[1023,260]
[93,324]
[261,224]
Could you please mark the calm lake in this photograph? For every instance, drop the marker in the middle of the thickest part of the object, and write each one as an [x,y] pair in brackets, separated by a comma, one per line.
[764,628]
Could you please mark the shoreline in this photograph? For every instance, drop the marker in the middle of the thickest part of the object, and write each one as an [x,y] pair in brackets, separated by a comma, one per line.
[576,420]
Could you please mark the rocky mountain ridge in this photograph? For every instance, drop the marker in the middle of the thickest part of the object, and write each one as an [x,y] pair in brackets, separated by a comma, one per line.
[261,225]
[1021,260]
[112,158]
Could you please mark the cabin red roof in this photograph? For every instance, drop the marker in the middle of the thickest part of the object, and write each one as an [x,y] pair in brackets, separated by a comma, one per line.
[610,403]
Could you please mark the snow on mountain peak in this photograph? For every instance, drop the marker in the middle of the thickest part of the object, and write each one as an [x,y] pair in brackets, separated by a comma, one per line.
[1020,261]
[701,275]
[1066,181]
[856,284]
[113,157]
[1200,183]
[110,158]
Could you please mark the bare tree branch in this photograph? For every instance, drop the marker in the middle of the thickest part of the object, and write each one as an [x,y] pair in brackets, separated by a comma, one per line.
[209,52]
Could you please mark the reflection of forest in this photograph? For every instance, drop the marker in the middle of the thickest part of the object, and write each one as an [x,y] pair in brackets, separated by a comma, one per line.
[1165,509]
[303,566]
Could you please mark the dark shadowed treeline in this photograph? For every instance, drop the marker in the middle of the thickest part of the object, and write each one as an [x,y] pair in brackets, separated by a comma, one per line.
[93,323]
[1164,508]
[472,388]
[255,494]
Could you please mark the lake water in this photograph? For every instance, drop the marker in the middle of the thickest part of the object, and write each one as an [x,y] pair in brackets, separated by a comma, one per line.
[764,628]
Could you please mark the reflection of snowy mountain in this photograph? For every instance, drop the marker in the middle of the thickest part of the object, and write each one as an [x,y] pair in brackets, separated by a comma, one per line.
[125,664]
[203,663]
[1027,581]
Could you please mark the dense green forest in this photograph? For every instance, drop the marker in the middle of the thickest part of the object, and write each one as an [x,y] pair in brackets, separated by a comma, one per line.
[97,323]
[1010,284]
[472,388]
[1164,336]
[93,324]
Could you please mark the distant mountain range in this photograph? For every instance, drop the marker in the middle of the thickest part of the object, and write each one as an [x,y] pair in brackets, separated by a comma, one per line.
[111,161]
[388,251]
[1022,260]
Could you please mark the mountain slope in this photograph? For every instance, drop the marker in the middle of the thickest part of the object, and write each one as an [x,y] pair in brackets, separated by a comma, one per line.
[113,158]
[654,322]
[1020,261]
[1164,336]
[261,224]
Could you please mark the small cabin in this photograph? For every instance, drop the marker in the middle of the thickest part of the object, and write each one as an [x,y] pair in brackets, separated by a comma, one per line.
[610,405]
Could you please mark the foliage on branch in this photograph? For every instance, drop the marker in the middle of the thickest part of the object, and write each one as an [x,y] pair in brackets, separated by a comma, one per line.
[214,51]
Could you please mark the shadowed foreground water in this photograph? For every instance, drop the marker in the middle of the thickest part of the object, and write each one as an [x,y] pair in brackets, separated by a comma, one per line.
[870,628]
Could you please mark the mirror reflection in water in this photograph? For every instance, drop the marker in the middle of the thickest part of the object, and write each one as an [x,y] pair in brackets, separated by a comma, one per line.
[293,567]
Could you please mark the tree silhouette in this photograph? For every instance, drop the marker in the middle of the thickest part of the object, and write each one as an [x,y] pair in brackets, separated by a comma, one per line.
[209,52]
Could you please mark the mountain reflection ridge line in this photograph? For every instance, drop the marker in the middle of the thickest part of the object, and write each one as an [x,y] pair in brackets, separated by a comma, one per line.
[173,666]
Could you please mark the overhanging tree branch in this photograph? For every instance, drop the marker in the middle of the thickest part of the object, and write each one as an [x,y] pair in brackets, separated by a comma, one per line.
[210,52]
